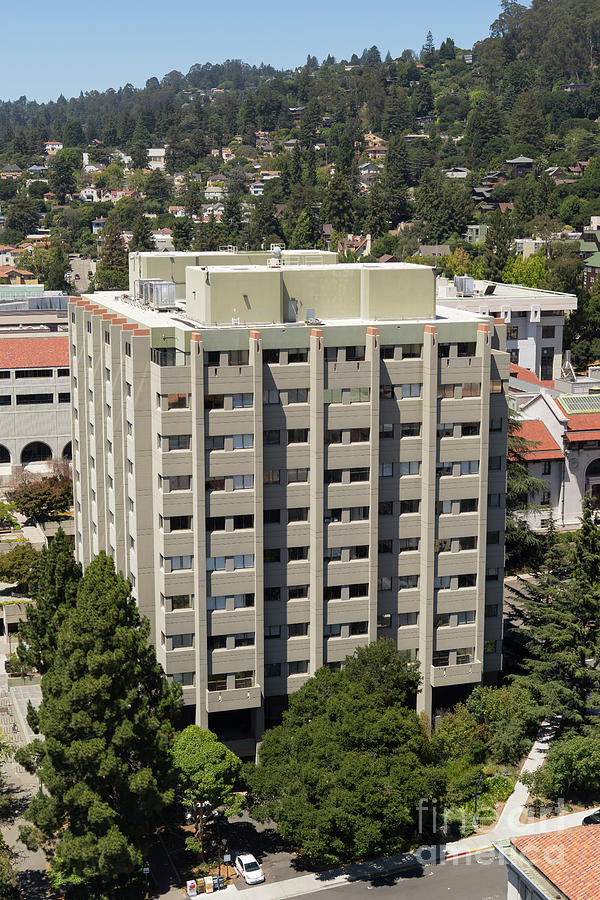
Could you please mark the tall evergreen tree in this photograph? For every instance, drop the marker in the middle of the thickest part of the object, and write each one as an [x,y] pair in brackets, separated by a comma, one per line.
[112,272]
[107,717]
[395,180]
[338,205]
[498,248]
[141,235]
[54,591]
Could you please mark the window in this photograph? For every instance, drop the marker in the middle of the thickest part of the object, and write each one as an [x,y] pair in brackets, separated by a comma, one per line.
[489,647]
[217,642]
[332,515]
[359,435]
[441,658]
[271,516]
[384,621]
[215,484]
[469,467]
[411,351]
[496,383]
[494,500]
[495,463]
[386,470]
[127,389]
[295,554]
[386,546]
[467,581]
[333,592]
[242,522]
[64,397]
[360,395]
[179,442]
[441,620]
[358,590]
[333,476]
[546,467]
[409,506]
[332,553]
[131,542]
[512,332]
[176,482]
[491,611]
[109,447]
[471,389]
[300,629]
[270,397]
[273,670]
[63,373]
[272,555]
[243,482]
[180,562]
[467,543]
[129,466]
[127,348]
[214,443]
[547,331]
[386,431]
[545,498]
[406,582]
[238,357]
[332,631]
[465,655]
[495,424]
[443,507]
[294,476]
[384,583]
[465,618]
[298,355]
[410,429]
[181,640]
[359,513]
[271,437]
[470,429]
[386,392]
[355,354]
[243,679]
[386,508]
[242,400]
[357,628]
[467,506]
[180,523]
[33,373]
[244,639]
[298,514]
[411,543]
[298,592]
[217,683]
[216,603]
[387,351]
[130,429]
[409,468]
[297,395]
[33,399]
[271,594]
[332,395]
[445,429]
[466,348]
[212,358]
[271,476]
[178,401]
[180,601]
[359,475]
[405,619]
[334,436]
[270,356]
[299,667]
[297,435]
[442,582]
[361,551]
[5,400]
[183,678]
[214,401]
[442,545]
[410,390]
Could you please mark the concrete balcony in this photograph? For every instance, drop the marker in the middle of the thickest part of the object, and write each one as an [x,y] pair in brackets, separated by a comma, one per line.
[443,676]
[236,698]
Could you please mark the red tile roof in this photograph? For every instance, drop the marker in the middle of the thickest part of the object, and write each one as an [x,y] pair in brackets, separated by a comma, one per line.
[6,270]
[34,352]
[545,445]
[570,859]
[527,375]
[575,437]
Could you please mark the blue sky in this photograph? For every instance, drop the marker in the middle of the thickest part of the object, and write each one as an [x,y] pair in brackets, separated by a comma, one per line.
[70,46]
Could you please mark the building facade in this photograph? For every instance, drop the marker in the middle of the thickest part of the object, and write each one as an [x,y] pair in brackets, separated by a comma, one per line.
[294,462]
[534,319]
[35,402]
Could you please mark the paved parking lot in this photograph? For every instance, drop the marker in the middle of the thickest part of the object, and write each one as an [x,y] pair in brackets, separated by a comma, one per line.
[278,861]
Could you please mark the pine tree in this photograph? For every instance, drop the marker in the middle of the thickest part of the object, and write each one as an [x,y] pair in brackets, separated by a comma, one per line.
[338,205]
[54,590]
[141,235]
[106,716]
[112,271]
[305,234]
[497,250]
[395,180]
[296,166]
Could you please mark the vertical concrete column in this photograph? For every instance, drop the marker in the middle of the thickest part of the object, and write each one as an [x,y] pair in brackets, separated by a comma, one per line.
[255,359]
[372,356]
[428,523]
[199,507]
[79,485]
[483,354]
[316,421]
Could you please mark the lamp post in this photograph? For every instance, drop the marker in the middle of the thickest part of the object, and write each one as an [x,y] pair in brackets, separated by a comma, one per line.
[477,781]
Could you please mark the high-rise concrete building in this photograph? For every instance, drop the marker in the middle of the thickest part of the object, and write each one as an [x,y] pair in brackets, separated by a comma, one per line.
[290,464]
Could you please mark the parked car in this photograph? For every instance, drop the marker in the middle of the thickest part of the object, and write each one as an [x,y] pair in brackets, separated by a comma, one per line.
[592,819]
[249,869]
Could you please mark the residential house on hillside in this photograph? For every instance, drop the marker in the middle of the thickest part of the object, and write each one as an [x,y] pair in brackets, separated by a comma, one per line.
[11,275]
[591,270]
[368,174]
[290,144]
[10,173]
[456,172]
[379,152]
[434,250]
[212,209]
[519,167]
[476,233]
[8,255]
[37,171]
[156,157]
[216,187]
[257,188]
[356,244]
[177,211]
[52,147]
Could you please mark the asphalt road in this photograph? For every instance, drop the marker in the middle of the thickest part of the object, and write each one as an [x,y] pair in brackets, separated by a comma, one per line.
[478,877]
